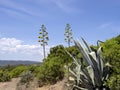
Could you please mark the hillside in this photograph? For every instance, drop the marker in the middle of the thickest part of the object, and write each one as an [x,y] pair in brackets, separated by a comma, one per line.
[11,62]
[52,71]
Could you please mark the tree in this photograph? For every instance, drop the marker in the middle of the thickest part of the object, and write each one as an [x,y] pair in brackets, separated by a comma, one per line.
[43,38]
[68,34]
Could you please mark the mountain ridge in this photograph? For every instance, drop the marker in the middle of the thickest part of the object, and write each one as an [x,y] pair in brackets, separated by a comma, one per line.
[17,62]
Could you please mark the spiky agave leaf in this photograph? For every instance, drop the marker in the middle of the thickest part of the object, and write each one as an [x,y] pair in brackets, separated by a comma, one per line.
[92,75]
[84,53]
[93,55]
[85,43]
[106,71]
[93,63]
[78,70]
[72,57]
[97,72]
[78,73]
[75,86]
[100,61]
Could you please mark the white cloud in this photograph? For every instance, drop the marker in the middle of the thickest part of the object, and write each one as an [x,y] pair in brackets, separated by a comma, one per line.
[12,48]
[10,42]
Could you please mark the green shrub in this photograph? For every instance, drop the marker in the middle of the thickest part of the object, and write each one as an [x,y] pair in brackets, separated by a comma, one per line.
[17,71]
[25,81]
[4,76]
[111,52]
[26,77]
[50,72]
[114,82]
[32,68]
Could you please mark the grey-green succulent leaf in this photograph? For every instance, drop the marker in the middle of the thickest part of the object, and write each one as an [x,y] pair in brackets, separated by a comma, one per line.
[80,87]
[88,47]
[93,55]
[72,72]
[99,55]
[84,53]
[93,73]
[72,57]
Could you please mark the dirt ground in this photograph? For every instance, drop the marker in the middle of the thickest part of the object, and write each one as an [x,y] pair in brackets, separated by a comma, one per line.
[9,85]
[13,83]
[58,86]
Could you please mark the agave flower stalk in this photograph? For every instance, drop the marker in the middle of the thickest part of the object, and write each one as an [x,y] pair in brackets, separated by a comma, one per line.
[43,38]
[68,34]
[93,74]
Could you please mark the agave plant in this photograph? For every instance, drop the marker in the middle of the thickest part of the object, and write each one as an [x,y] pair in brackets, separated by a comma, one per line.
[94,73]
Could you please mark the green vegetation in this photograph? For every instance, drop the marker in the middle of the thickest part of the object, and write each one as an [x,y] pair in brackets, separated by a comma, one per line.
[4,75]
[112,55]
[9,72]
[17,71]
[26,78]
[53,69]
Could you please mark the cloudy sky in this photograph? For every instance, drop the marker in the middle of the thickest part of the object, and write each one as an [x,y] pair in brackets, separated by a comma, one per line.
[20,21]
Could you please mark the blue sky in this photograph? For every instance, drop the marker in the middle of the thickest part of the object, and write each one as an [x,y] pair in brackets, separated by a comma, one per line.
[20,21]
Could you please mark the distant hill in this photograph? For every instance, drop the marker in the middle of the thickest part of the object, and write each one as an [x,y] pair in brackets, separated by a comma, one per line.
[11,62]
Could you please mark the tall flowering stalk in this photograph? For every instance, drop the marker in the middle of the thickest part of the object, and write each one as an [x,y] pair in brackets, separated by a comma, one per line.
[43,38]
[68,34]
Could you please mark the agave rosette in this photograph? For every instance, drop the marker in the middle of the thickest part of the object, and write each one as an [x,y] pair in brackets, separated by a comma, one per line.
[91,75]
